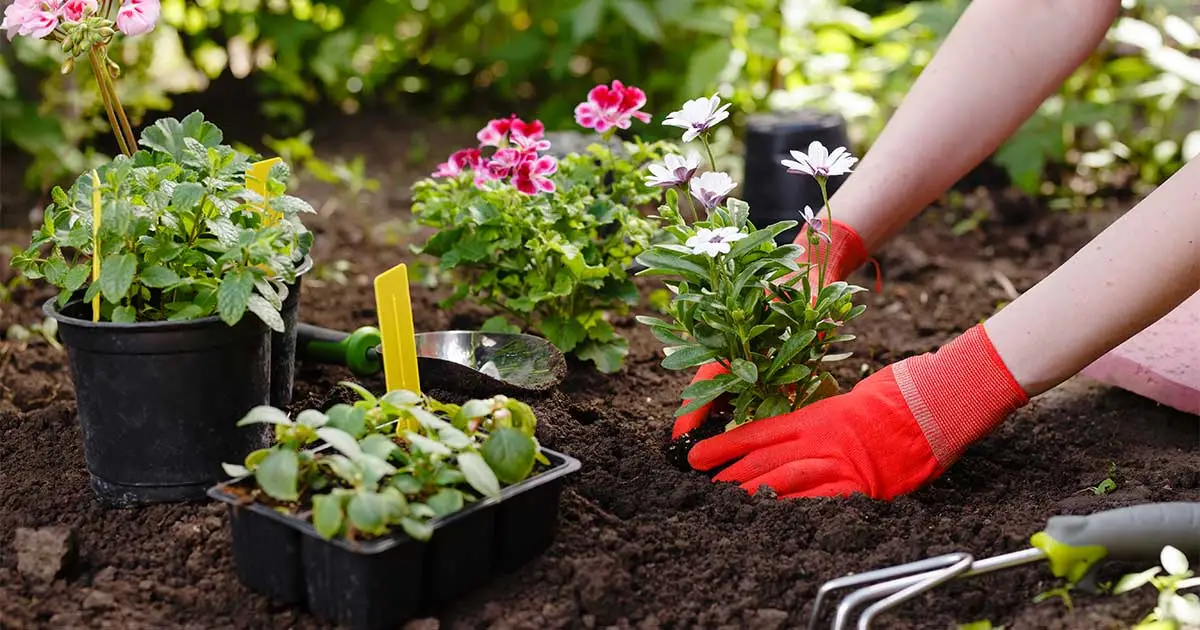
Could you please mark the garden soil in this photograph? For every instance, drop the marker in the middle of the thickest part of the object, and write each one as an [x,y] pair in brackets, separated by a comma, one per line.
[641,544]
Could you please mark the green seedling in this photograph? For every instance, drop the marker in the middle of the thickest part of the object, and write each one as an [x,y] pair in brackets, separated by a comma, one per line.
[1174,611]
[1106,486]
[397,460]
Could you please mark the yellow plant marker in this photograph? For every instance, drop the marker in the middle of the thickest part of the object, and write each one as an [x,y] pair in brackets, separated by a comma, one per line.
[95,243]
[398,339]
[257,177]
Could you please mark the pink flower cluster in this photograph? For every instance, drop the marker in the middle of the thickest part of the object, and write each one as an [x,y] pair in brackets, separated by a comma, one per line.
[611,107]
[39,18]
[516,158]
[517,143]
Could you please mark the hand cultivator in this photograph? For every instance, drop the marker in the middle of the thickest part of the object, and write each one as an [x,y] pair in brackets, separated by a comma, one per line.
[1073,545]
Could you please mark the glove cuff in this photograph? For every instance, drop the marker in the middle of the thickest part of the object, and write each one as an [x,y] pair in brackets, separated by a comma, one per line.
[959,393]
[845,247]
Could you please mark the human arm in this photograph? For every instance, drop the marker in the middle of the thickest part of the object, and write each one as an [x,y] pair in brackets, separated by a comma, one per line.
[904,425]
[1001,60]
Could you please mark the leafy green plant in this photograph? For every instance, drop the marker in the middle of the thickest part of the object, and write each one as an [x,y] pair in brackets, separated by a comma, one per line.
[400,460]
[550,254]
[1106,486]
[181,236]
[735,298]
[1174,611]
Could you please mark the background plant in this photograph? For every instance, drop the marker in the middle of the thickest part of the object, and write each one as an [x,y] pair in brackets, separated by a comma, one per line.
[736,300]
[856,57]
[180,237]
[399,460]
[1174,611]
[556,262]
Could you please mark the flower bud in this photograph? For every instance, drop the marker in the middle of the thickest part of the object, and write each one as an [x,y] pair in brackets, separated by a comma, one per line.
[502,415]
[68,65]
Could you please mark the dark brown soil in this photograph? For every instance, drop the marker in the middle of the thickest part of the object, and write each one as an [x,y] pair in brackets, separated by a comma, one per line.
[641,543]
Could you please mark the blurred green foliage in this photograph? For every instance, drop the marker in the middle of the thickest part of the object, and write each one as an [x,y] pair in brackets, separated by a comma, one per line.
[1130,104]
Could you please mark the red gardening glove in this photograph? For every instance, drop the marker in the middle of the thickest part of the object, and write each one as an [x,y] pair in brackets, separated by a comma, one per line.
[846,253]
[895,431]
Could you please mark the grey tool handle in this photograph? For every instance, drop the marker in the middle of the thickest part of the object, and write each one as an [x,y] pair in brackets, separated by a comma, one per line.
[1137,532]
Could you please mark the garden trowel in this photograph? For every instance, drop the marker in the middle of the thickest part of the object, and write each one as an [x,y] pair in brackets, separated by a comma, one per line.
[453,359]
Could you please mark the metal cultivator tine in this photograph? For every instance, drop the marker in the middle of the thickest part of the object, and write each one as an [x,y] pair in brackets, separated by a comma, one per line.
[896,584]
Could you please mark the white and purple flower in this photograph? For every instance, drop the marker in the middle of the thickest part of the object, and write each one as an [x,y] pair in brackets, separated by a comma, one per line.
[698,116]
[711,188]
[819,162]
[676,170]
[714,242]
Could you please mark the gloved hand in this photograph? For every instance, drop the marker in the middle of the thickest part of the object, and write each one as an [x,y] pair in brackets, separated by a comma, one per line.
[895,431]
[846,253]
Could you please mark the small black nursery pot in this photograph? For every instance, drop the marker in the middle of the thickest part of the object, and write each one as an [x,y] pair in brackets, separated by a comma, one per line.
[381,583]
[774,194]
[283,345]
[159,402]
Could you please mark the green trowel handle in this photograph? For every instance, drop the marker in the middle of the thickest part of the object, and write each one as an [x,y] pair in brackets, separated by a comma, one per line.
[356,350]
[1139,532]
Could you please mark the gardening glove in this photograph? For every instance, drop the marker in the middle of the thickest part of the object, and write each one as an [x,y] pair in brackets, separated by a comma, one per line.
[846,253]
[895,431]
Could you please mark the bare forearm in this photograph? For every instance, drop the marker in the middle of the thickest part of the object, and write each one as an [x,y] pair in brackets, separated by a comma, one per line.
[1000,62]
[1139,269]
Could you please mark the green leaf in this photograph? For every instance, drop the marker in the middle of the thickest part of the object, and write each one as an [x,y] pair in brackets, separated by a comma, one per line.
[327,515]
[772,406]
[608,356]
[264,414]
[498,324]
[418,530]
[447,501]
[186,196]
[342,441]
[659,260]
[76,277]
[159,277]
[259,305]
[378,445]
[479,475]
[510,454]
[701,393]
[368,512]
[683,357]
[406,484]
[278,474]
[759,237]
[790,375]
[55,271]
[311,418]
[426,445]
[586,19]
[744,370]
[124,315]
[234,295]
[639,17]
[790,348]
[563,333]
[116,276]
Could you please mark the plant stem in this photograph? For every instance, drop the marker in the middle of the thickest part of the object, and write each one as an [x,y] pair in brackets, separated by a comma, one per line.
[829,213]
[130,140]
[691,202]
[106,98]
[711,160]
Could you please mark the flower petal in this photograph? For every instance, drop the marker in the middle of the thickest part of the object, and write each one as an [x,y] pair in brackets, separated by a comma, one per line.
[1173,561]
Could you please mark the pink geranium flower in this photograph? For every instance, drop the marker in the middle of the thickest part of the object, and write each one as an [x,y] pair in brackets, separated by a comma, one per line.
[497,131]
[530,177]
[505,162]
[31,18]
[609,107]
[138,16]
[76,10]
[460,161]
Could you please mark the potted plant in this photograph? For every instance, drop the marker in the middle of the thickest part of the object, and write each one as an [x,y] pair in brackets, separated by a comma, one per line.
[156,282]
[740,299]
[547,242]
[159,254]
[373,512]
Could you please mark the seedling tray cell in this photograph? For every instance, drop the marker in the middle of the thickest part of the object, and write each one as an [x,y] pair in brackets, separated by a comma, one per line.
[380,583]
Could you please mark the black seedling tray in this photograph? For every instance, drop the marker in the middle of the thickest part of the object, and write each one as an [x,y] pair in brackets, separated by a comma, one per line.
[380,583]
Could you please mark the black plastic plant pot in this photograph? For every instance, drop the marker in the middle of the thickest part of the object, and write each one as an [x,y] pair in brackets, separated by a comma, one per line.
[283,345]
[381,583]
[158,402]
[774,194]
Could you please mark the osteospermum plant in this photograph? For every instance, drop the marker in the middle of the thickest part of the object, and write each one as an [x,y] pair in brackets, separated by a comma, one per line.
[739,299]
[547,243]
